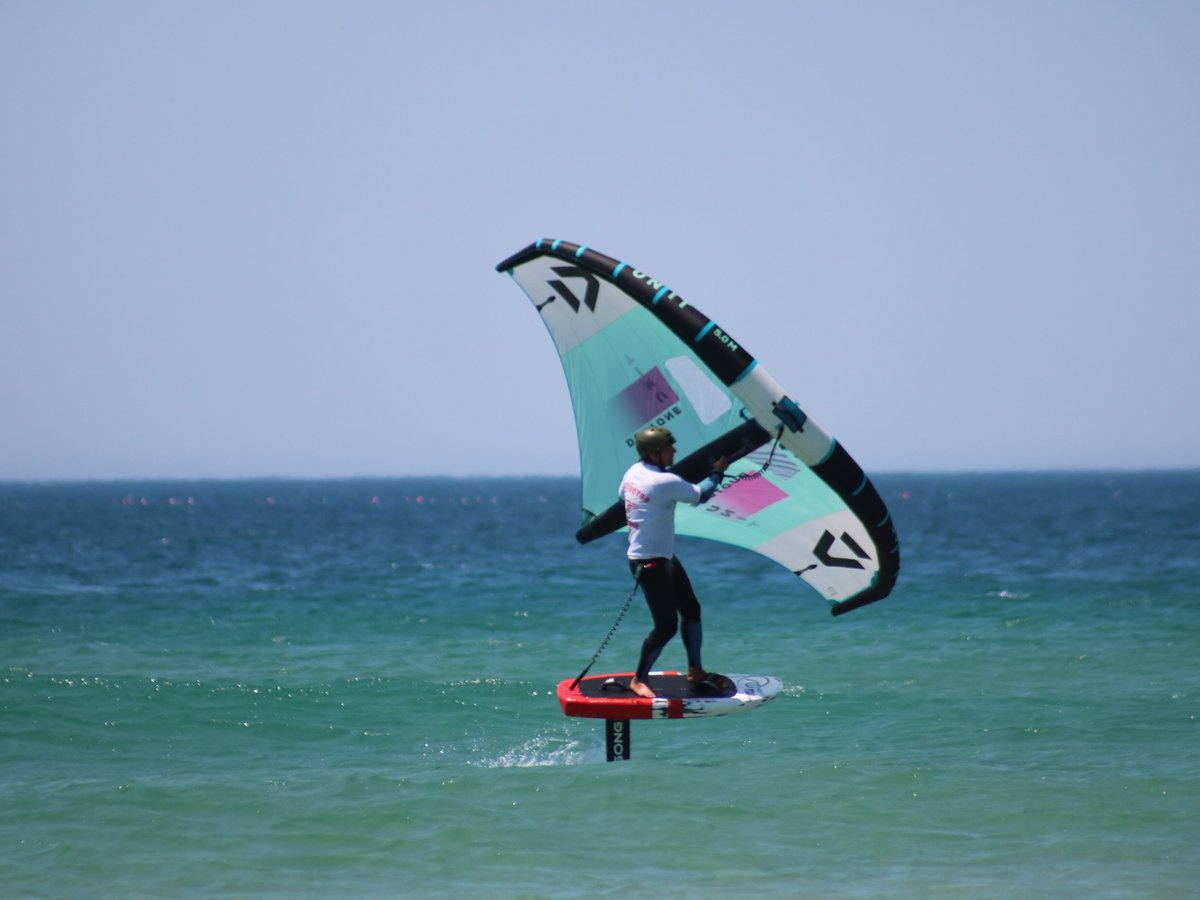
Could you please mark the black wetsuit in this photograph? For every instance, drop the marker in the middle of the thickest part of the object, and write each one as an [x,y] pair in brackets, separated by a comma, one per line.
[650,494]
[669,594]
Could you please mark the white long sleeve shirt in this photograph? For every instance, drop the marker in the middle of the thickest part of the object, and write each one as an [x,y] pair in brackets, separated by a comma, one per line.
[650,495]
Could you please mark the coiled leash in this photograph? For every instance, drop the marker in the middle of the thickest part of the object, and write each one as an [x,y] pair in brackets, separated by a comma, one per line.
[637,580]
[763,468]
[771,455]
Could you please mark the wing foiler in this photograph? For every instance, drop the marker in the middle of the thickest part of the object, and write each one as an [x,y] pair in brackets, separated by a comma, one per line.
[635,354]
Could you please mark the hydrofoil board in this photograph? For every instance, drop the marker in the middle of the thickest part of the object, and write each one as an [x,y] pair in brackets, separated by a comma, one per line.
[609,696]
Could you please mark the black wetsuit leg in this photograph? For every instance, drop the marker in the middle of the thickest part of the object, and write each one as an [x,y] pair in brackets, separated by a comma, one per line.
[669,595]
[689,612]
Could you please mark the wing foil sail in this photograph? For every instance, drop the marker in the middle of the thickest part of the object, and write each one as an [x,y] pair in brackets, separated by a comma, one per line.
[634,354]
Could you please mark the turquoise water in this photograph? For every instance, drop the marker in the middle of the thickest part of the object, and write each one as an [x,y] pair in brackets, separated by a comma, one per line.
[315,689]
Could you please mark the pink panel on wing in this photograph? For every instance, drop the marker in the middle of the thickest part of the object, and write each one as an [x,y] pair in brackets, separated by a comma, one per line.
[646,398]
[748,495]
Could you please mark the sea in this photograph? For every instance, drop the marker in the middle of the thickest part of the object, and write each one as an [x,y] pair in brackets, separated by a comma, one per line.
[278,688]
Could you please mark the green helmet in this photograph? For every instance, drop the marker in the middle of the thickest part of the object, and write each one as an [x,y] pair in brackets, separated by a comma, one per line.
[652,439]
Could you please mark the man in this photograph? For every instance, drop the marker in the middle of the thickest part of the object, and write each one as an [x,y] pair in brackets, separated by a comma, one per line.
[650,493]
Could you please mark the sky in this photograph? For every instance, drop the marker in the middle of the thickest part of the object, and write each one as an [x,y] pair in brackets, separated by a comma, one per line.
[247,239]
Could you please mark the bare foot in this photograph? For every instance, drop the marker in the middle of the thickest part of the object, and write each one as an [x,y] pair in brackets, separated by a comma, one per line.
[696,674]
[640,688]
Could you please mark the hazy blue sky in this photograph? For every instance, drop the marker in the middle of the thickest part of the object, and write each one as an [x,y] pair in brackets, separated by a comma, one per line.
[258,238]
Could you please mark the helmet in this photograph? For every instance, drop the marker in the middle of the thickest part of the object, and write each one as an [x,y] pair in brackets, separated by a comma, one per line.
[652,439]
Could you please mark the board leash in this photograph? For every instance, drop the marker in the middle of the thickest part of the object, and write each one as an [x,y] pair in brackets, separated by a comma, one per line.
[774,446]
[637,580]
[763,468]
